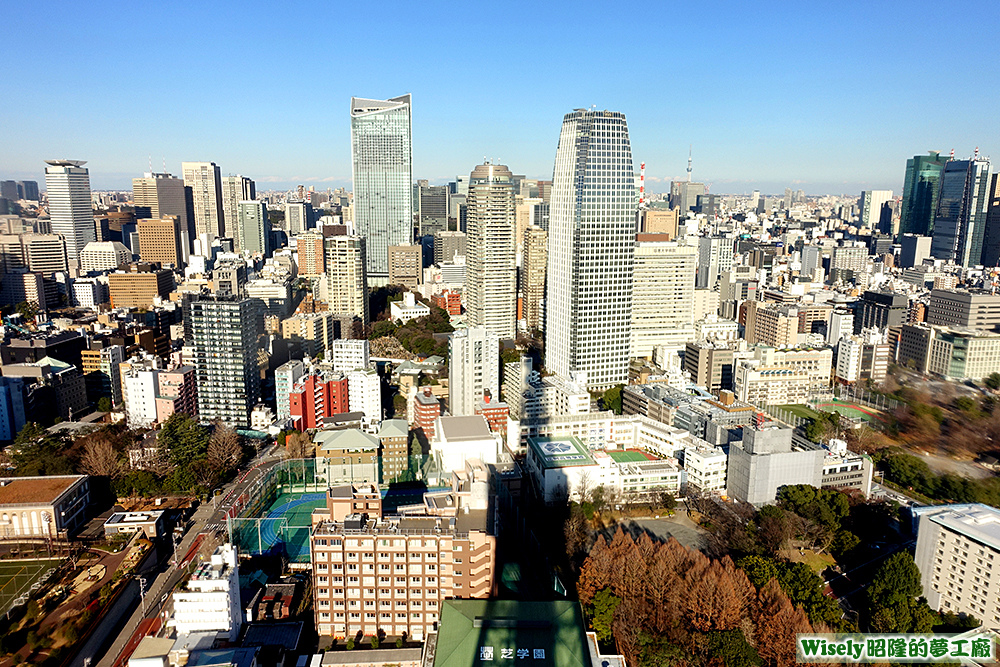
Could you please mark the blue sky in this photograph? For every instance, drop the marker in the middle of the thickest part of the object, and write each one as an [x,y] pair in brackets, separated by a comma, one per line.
[827,97]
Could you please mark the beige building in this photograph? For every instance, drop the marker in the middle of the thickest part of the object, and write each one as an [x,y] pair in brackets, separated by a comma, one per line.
[139,286]
[162,240]
[662,293]
[964,308]
[44,253]
[781,377]
[659,221]
[376,572]
[53,507]
[771,324]
[159,195]
[314,331]
[534,265]
[345,283]
[405,265]
[205,182]
[491,271]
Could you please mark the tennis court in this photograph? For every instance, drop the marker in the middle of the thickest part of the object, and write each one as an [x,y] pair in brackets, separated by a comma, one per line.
[18,576]
[852,410]
[284,526]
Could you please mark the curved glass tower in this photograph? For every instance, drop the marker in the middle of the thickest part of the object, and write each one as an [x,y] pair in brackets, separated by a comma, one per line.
[382,169]
[591,247]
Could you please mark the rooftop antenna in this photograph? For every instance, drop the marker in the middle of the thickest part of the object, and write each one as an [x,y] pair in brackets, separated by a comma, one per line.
[689,163]
[150,163]
[642,185]
[976,154]
[164,164]
[952,153]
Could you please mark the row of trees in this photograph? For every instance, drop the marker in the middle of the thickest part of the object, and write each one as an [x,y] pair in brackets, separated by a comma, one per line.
[664,604]
[912,472]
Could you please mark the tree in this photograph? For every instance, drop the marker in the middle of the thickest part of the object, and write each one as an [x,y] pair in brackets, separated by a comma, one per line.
[758,569]
[224,448]
[299,446]
[27,310]
[612,399]
[183,438]
[100,459]
[104,404]
[993,381]
[602,614]
[38,452]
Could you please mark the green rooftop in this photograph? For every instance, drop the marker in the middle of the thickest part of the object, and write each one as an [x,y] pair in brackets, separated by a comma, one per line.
[499,633]
[627,457]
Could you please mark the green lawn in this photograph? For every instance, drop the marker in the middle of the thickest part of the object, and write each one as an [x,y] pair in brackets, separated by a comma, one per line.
[627,457]
[799,410]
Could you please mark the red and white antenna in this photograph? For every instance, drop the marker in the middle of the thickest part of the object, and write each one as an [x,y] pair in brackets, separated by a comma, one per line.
[976,154]
[952,153]
[642,184]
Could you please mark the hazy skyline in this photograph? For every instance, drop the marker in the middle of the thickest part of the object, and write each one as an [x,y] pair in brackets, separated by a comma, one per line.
[788,95]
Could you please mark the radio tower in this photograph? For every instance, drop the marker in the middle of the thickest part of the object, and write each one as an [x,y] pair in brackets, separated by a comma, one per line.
[642,185]
[689,163]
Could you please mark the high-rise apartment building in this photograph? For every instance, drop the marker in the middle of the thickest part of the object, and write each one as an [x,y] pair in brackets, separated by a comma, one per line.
[235,189]
[871,203]
[534,264]
[224,332]
[310,255]
[490,274]
[588,302]
[206,196]
[159,195]
[254,227]
[963,205]
[162,240]
[473,368]
[921,187]
[662,293]
[345,285]
[382,170]
[67,184]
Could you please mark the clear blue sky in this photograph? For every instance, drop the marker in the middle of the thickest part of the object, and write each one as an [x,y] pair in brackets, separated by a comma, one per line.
[828,97]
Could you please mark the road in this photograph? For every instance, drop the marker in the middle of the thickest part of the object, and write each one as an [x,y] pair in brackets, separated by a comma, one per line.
[162,576]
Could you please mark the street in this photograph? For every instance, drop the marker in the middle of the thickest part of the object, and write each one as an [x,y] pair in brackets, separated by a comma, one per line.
[160,578]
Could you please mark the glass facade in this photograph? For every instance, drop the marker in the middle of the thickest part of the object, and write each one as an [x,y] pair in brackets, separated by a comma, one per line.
[592,228]
[963,204]
[382,169]
[920,193]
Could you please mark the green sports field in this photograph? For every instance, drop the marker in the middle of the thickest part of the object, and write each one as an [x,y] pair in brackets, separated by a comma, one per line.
[17,576]
[628,457]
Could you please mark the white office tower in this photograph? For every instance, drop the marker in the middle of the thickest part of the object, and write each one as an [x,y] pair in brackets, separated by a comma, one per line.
[588,302]
[473,368]
[871,203]
[235,189]
[382,169]
[67,185]
[490,272]
[210,601]
[206,195]
[662,294]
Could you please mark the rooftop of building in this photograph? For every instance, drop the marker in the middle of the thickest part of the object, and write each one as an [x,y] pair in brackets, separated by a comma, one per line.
[978,522]
[348,439]
[463,429]
[152,647]
[560,452]
[550,633]
[233,657]
[411,524]
[285,634]
[35,490]
[134,517]
[393,428]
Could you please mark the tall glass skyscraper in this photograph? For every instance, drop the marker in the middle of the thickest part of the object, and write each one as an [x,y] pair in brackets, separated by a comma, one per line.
[67,185]
[963,205]
[491,271]
[591,248]
[382,169]
[920,193]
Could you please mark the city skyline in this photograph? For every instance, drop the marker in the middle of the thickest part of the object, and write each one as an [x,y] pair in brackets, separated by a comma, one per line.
[806,99]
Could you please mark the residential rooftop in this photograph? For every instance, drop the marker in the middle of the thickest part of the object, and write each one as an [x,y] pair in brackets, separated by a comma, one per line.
[35,490]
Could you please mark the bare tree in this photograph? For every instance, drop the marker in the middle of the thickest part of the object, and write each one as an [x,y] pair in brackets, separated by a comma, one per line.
[101,460]
[299,446]
[224,449]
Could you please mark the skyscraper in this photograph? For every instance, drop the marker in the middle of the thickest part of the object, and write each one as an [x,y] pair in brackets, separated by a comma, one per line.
[254,227]
[235,189]
[588,301]
[206,193]
[224,333]
[871,203]
[382,169]
[299,217]
[433,209]
[344,286]
[159,195]
[920,193]
[490,274]
[67,183]
[533,267]
[473,367]
[963,204]
[662,293]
